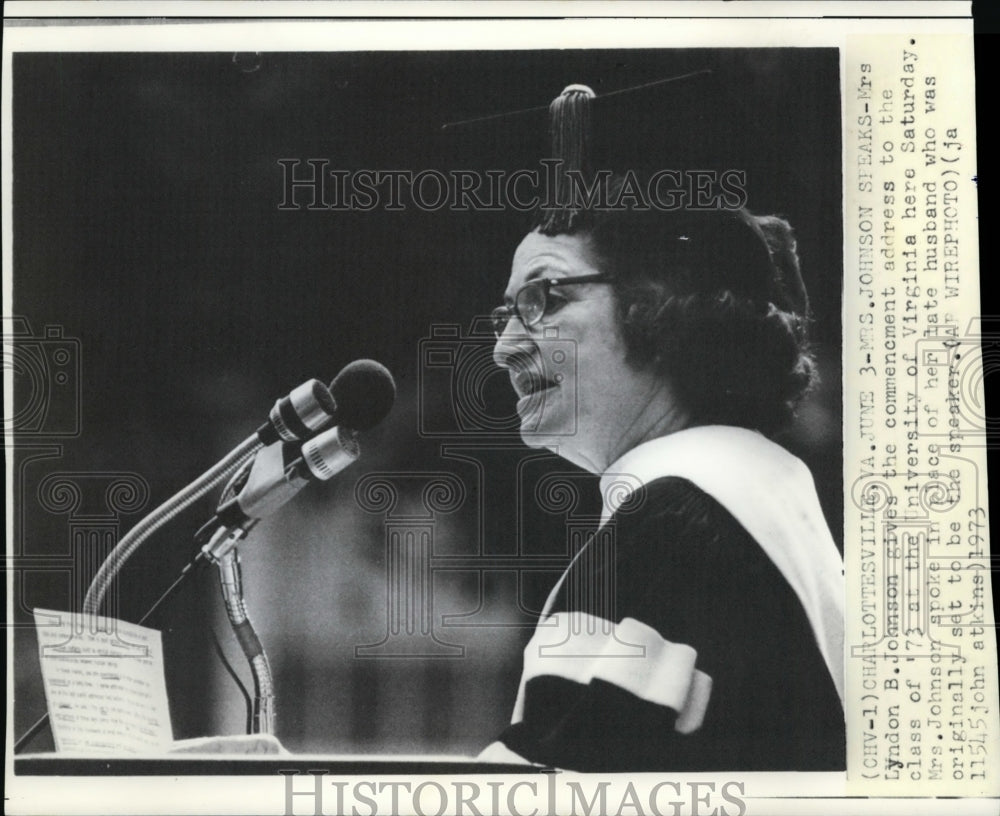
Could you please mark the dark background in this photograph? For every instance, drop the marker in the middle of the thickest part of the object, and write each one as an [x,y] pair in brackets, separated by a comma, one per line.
[146,225]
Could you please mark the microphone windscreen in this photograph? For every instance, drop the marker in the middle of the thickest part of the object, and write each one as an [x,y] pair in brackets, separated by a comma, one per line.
[364,391]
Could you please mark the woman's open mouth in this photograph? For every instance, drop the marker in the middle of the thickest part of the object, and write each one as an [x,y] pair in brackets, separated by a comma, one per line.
[528,384]
[533,391]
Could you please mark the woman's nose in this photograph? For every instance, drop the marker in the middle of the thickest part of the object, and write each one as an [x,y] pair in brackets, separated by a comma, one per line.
[514,340]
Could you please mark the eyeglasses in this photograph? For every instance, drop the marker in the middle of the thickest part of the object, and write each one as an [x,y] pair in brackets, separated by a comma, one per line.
[532,300]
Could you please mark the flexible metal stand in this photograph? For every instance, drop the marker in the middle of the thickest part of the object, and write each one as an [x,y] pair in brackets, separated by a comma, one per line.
[232,593]
[124,549]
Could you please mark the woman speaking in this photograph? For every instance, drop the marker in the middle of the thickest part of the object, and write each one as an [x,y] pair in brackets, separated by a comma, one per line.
[701,628]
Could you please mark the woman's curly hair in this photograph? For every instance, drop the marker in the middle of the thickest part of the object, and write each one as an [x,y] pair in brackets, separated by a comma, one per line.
[713,299]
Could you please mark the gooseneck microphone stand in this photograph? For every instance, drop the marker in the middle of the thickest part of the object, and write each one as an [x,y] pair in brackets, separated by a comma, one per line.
[221,550]
[161,515]
[231,579]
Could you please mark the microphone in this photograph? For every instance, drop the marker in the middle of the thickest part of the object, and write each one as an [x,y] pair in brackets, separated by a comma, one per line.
[359,397]
[364,391]
[300,414]
[362,395]
[281,470]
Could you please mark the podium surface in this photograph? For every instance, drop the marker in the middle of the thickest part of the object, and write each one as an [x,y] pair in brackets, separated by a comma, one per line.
[236,765]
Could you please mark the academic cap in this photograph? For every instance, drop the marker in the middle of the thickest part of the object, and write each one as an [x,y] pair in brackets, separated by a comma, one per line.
[674,122]
[598,126]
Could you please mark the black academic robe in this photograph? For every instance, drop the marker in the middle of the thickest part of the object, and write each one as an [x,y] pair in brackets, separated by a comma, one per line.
[683,579]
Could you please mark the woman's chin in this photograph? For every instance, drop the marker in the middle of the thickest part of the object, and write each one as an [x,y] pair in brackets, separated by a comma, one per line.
[542,425]
[538,439]
[544,432]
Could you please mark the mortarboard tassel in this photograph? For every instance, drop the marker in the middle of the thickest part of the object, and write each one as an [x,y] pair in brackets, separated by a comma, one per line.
[569,123]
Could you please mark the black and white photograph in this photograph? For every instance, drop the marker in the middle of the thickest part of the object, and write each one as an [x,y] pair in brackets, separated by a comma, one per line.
[431,410]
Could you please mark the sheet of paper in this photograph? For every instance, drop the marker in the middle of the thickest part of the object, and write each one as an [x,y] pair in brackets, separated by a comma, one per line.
[106,689]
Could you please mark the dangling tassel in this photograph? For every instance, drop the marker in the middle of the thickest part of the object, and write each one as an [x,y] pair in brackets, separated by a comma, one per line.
[569,123]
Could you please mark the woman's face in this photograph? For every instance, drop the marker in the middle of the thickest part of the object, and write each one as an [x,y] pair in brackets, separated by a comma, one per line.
[577,395]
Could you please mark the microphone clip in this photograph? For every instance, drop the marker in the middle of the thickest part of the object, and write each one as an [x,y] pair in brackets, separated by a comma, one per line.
[224,541]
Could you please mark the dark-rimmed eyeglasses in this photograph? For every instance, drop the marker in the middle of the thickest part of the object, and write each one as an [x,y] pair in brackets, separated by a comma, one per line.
[531,301]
